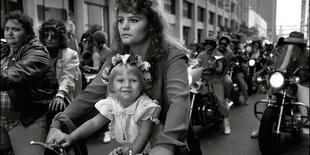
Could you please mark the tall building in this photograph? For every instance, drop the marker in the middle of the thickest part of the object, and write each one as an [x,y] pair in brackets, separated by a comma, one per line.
[267,9]
[243,11]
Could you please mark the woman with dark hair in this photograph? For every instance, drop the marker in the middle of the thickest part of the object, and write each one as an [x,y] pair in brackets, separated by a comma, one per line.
[140,29]
[100,45]
[27,82]
[90,62]
[53,35]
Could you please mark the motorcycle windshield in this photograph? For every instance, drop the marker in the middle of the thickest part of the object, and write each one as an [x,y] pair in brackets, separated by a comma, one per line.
[288,58]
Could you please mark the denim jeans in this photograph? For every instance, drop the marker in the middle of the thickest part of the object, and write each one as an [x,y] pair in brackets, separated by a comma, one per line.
[21,136]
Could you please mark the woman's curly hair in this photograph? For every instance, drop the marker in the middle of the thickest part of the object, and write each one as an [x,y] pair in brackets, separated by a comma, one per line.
[58,27]
[159,31]
[25,20]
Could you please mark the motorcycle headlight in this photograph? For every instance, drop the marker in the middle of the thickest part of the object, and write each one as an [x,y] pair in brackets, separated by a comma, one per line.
[252,62]
[276,80]
[259,79]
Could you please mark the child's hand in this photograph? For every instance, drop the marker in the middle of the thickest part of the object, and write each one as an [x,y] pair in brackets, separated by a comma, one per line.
[117,151]
[64,140]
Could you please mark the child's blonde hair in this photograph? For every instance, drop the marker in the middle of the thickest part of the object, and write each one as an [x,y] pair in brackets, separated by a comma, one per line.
[128,68]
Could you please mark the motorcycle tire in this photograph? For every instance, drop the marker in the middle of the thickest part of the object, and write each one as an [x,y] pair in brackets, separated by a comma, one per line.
[269,140]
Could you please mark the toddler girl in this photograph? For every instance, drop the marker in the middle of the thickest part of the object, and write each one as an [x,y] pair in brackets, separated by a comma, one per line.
[132,113]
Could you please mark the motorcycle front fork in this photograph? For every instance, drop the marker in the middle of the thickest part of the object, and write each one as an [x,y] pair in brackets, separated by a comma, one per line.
[281,112]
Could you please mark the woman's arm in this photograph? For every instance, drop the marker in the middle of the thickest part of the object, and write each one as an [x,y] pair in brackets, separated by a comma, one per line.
[96,61]
[145,132]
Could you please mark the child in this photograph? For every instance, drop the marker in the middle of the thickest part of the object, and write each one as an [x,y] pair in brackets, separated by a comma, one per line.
[131,112]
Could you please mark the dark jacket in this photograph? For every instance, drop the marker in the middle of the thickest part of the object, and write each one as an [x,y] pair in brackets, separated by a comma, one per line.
[29,79]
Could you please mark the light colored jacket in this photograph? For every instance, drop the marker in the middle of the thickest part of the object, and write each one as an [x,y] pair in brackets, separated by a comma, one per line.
[68,73]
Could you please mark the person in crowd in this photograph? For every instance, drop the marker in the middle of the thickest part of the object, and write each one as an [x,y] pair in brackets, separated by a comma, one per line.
[90,58]
[127,83]
[289,57]
[141,29]
[53,35]
[239,71]
[212,59]
[100,45]
[224,42]
[73,44]
[28,82]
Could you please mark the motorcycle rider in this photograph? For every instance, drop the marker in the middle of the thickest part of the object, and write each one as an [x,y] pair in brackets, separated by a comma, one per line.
[212,59]
[224,42]
[239,71]
[289,56]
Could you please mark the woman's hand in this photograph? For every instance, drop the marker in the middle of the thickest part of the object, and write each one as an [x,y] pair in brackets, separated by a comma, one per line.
[57,104]
[117,151]
[52,134]
[64,140]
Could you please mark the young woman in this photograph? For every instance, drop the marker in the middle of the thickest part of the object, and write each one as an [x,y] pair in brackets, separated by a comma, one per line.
[53,35]
[141,29]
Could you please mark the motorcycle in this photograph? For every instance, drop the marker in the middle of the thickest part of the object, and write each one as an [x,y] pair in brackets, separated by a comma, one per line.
[282,113]
[236,90]
[55,149]
[203,109]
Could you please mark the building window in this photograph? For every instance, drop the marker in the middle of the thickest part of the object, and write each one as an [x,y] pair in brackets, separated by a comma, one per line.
[220,4]
[232,25]
[187,10]
[52,9]
[169,6]
[213,1]
[211,18]
[186,35]
[233,7]
[227,5]
[201,14]
[226,22]
[97,14]
[219,20]
[211,33]
[199,35]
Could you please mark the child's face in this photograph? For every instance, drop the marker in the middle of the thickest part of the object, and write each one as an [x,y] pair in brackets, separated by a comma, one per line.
[127,87]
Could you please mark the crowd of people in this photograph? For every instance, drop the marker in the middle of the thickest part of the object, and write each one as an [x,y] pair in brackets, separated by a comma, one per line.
[140,93]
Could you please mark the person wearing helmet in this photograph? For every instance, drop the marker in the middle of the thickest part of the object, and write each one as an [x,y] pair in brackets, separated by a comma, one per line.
[211,59]
[239,71]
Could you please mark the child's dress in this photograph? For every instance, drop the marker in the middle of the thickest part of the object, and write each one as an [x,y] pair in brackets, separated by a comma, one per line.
[125,122]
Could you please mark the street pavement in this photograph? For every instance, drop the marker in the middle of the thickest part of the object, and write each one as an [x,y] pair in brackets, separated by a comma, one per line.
[214,142]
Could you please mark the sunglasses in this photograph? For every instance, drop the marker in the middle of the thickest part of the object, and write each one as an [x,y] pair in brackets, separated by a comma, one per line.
[223,44]
[51,35]
[209,43]
[85,40]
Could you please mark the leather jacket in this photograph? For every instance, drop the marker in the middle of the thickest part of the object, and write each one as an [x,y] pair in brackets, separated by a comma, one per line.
[29,79]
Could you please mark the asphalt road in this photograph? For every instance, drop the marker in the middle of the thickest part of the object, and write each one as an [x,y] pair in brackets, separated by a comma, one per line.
[214,142]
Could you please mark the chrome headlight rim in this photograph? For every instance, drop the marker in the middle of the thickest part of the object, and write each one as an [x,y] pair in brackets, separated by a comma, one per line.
[277,80]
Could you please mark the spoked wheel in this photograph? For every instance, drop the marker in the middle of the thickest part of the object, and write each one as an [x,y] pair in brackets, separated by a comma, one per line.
[269,140]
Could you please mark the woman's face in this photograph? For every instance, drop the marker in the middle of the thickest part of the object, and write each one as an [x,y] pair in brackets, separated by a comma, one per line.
[15,34]
[51,39]
[133,28]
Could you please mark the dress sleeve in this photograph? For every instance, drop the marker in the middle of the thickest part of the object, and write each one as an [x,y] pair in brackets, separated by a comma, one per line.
[105,107]
[149,110]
